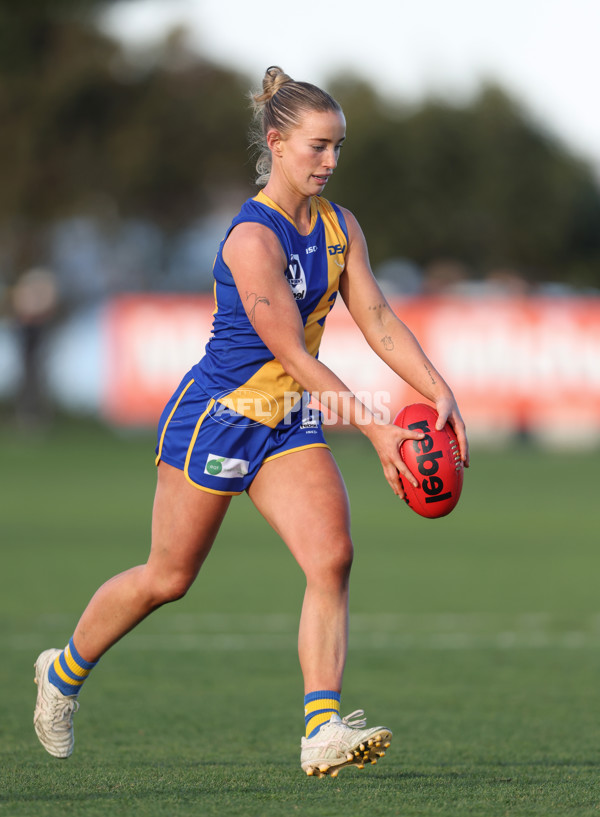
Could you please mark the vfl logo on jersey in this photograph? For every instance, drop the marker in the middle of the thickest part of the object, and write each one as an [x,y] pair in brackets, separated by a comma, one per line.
[296,277]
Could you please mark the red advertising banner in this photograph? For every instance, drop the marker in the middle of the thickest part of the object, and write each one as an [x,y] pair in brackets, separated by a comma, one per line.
[151,341]
[515,365]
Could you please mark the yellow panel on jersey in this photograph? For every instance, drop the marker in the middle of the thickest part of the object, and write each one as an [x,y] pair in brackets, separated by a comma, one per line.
[315,263]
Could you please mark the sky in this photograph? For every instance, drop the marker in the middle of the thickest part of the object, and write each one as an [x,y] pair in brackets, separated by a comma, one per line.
[545,53]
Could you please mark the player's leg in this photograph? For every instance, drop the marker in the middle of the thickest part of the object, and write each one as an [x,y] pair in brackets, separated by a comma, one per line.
[303,497]
[185,522]
[184,525]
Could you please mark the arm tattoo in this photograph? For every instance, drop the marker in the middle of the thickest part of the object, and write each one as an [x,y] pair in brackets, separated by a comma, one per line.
[258,299]
[378,307]
[388,343]
[429,372]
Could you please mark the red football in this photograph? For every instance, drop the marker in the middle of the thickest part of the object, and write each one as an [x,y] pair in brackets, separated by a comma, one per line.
[435,461]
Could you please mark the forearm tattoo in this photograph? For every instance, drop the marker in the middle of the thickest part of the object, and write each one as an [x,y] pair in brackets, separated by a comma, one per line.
[254,300]
[430,373]
[387,343]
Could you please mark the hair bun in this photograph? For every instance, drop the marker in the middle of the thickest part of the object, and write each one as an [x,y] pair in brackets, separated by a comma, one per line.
[274,78]
[282,112]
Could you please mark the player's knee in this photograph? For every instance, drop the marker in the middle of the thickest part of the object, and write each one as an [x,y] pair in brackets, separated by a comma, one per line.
[334,563]
[170,588]
[342,556]
[344,559]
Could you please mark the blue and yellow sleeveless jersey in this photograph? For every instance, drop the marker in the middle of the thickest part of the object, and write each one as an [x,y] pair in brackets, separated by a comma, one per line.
[236,362]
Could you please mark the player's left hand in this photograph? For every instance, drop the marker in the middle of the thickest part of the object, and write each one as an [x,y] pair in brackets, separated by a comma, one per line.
[448,412]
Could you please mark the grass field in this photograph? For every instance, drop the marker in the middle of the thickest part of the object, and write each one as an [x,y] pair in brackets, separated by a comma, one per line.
[474,638]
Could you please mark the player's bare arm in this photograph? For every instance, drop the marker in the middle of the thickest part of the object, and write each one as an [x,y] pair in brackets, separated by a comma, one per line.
[252,301]
[390,338]
[256,260]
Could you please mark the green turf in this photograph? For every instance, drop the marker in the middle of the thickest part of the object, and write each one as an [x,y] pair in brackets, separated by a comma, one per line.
[475,638]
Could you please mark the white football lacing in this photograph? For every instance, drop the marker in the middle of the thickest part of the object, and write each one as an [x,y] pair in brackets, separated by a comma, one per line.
[359,721]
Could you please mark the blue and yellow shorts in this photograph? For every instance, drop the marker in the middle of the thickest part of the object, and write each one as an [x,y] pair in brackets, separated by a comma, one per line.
[221,451]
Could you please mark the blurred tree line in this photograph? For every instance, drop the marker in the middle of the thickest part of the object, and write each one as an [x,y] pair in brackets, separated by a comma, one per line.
[480,183]
[90,129]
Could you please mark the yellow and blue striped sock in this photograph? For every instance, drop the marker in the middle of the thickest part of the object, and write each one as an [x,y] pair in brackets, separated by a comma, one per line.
[69,670]
[318,708]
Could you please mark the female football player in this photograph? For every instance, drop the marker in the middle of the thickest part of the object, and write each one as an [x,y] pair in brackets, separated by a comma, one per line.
[239,422]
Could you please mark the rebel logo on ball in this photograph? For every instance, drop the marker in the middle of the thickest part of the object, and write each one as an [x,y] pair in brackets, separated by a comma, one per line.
[427,464]
[435,461]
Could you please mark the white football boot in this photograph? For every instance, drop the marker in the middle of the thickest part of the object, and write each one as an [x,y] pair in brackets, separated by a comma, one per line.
[53,716]
[343,742]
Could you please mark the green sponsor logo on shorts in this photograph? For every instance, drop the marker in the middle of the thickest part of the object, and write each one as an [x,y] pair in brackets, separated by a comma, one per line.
[214,467]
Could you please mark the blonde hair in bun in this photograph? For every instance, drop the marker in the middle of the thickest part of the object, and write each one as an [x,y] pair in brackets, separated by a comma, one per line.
[280,106]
